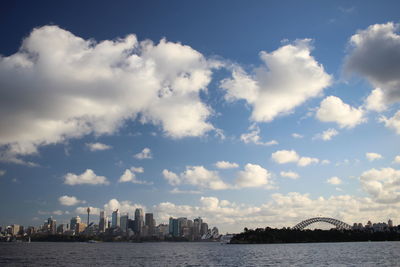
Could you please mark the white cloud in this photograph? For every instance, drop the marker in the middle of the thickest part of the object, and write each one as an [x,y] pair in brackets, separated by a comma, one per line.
[137,169]
[373,156]
[69,83]
[327,134]
[334,180]
[290,174]
[375,101]
[289,77]
[197,176]
[98,146]
[145,154]
[226,165]
[375,54]
[69,200]
[333,109]
[87,177]
[253,175]
[325,162]
[254,137]
[287,156]
[383,185]
[171,177]
[397,159]
[2,172]
[178,191]
[129,176]
[297,136]
[393,122]
[123,206]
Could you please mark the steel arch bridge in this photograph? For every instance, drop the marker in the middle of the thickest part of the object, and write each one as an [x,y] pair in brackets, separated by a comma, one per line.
[337,223]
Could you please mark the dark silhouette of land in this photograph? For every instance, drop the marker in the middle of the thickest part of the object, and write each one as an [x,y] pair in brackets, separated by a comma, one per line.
[287,235]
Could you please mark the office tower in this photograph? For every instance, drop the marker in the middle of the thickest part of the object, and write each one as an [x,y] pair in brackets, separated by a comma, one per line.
[390,223]
[138,221]
[175,228]
[149,222]
[131,224]
[74,221]
[15,229]
[115,221]
[197,227]
[80,227]
[60,229]
[124,222]
[88,212]
[102,222]
[170,226]
[203,228]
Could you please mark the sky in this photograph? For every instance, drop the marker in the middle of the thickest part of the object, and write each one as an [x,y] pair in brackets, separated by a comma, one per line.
[248,114]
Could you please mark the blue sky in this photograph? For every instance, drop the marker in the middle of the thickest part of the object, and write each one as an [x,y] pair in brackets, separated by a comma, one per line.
[246,114]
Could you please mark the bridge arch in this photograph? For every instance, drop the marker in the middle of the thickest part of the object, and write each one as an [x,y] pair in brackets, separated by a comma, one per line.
[335,222]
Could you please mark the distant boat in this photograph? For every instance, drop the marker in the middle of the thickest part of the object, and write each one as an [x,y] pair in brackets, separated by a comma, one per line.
[92,241]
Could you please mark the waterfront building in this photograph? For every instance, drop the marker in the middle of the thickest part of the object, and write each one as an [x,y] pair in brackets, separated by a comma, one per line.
[139,222]
[102,222]
[203,228]
[14,229]
[149,222]
[74,221]
[80,227]
[115,221]
[124,222]
[60,229]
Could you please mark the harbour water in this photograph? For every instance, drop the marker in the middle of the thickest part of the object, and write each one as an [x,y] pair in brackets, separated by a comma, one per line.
[199,254]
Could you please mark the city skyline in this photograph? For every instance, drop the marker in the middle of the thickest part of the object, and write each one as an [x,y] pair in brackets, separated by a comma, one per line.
[247,115]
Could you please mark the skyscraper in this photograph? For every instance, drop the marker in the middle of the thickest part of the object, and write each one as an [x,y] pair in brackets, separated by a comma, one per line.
[74,221]
[124,222]
[149,222]
[115,221]
[102,222]
[138,221]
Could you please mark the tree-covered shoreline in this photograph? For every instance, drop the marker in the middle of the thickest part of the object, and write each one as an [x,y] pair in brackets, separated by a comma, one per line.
[287,235]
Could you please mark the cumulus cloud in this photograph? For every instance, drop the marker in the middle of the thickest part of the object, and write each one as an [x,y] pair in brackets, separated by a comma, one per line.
[288,77]
[290,174]
[397,159]
[98,146]
[254,137]
[129,176]
[76,87]
[373,156]
[197,176]
[327,135]
[179,191]
[334,180]
[123,206]
[69,200]
[393,122]
[383,185]
[288,156]
[253,175]
[144,154]
[87,177]
[375,101]
[297,136]
[375,54]
[226,165]
[333,109]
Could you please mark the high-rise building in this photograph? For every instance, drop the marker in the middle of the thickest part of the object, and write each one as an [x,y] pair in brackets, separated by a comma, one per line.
[150,223]
[102,222]
[60,229]
[80,227]
[203,228]
[124,222]
[51,226]
[14,229]
[115,221]
[138,221]
[171,226]
[73,222]
[390,223]
[176,228]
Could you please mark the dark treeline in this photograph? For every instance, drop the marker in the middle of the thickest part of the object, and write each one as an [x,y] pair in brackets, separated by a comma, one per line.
[270,235]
